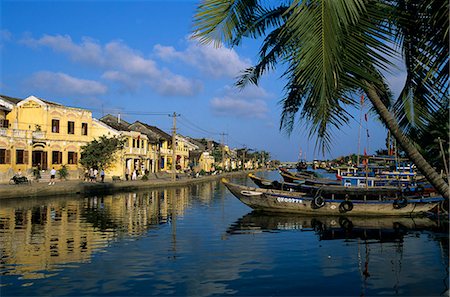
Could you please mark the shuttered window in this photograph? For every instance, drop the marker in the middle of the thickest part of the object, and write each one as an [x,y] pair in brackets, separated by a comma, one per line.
[56,157]
[19,157]
[7,156]
[84,129]
[2,156]
[70,127]
[72,158]
[55,126]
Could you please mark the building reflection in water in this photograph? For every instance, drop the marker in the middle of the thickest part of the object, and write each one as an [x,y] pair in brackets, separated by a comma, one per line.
[37,237]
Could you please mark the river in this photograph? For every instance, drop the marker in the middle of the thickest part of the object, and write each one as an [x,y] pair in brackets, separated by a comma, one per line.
[201,241]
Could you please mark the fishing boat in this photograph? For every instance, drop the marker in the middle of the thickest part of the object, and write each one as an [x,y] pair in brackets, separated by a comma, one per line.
[307,203]
[301,165]
[274,184]
[308,177]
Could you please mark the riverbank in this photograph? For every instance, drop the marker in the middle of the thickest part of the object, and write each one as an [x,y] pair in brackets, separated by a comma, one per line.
[72,187]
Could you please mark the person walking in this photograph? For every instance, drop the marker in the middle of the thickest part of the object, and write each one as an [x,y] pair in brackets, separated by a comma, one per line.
[52,176]
[102,175]
[95,174]
[91,174]
[127,173]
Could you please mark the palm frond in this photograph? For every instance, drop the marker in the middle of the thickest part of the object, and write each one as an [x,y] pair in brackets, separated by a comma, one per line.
[220,21]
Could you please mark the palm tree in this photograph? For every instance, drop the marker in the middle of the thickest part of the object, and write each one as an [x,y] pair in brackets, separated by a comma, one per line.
[334,50]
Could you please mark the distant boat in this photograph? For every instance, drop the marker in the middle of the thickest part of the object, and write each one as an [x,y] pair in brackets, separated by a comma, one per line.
[301,165]
[306,203]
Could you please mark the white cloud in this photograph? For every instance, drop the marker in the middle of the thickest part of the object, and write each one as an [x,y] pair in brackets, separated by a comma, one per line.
[63,84]
[249,102]
[212,61]
[89,51]
[235,107]
[120,64]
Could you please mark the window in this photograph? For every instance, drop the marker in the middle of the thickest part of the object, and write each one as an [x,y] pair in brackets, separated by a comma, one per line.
[4,123]
[70,127]
[134,142]
[56,157]
[19,157]
[84,129]
[2,156]
[55,126]
[72,158]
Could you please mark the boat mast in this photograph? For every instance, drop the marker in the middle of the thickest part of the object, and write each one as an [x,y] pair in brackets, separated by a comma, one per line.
[359,130]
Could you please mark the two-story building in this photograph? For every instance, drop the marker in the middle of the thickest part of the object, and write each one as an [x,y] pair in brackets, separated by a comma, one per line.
[37,133]
[137,151]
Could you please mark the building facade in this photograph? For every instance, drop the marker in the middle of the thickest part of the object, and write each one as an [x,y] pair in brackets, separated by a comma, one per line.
[39,134]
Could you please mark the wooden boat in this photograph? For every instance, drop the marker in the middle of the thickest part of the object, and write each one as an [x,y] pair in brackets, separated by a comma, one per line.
[306,203]
[307,177]
[301,165]
[339,191]
[269,184]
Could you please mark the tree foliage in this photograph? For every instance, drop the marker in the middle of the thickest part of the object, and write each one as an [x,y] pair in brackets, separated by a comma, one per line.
[101,152]
[331,50]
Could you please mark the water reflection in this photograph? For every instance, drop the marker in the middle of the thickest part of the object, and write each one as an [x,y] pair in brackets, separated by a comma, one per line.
[336,227]
[37,236]
[388,250]
[201,241]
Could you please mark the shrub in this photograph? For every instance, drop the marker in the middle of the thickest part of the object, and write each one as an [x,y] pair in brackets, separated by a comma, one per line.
[63,172]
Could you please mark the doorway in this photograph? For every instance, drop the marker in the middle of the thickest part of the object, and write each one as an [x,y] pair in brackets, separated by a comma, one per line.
[39,158]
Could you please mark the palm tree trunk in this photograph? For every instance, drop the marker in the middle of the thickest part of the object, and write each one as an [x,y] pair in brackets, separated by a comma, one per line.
[414,155]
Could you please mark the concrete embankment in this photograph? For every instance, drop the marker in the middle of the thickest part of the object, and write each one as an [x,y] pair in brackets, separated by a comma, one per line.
[73,187]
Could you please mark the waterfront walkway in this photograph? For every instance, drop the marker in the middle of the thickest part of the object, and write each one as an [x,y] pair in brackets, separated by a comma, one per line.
[68,187]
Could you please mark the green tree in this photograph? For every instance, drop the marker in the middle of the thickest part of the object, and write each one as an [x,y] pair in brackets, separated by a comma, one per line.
[334,50]
[101,152]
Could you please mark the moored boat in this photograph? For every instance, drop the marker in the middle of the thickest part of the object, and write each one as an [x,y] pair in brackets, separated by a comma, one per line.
[306,203]
[307,177]
[268,184]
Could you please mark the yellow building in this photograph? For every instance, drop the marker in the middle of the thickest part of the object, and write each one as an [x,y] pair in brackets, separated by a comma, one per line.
[137,152]
[36,133]
[39,134]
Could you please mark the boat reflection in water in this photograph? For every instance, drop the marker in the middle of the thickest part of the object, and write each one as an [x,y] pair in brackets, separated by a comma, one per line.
[335,227]
[380,245]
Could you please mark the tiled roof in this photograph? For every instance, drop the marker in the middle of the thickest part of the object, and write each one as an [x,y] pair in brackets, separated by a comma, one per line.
[10,99]
[113,122]
[158,133]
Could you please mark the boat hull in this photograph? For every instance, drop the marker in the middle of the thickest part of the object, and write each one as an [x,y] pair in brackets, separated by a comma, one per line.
[297,202]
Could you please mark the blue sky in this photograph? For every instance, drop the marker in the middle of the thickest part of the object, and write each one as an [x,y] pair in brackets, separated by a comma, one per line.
[136,58]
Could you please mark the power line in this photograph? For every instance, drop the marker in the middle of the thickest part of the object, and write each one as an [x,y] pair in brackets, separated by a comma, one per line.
[197,127]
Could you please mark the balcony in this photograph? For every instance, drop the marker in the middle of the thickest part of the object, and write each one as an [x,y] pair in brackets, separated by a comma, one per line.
[38,135]
[136,151]
[165,151]
[19,133]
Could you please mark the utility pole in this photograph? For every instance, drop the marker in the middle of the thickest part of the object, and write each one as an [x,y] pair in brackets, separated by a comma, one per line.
[243,157]
[174,153]
[223,151]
